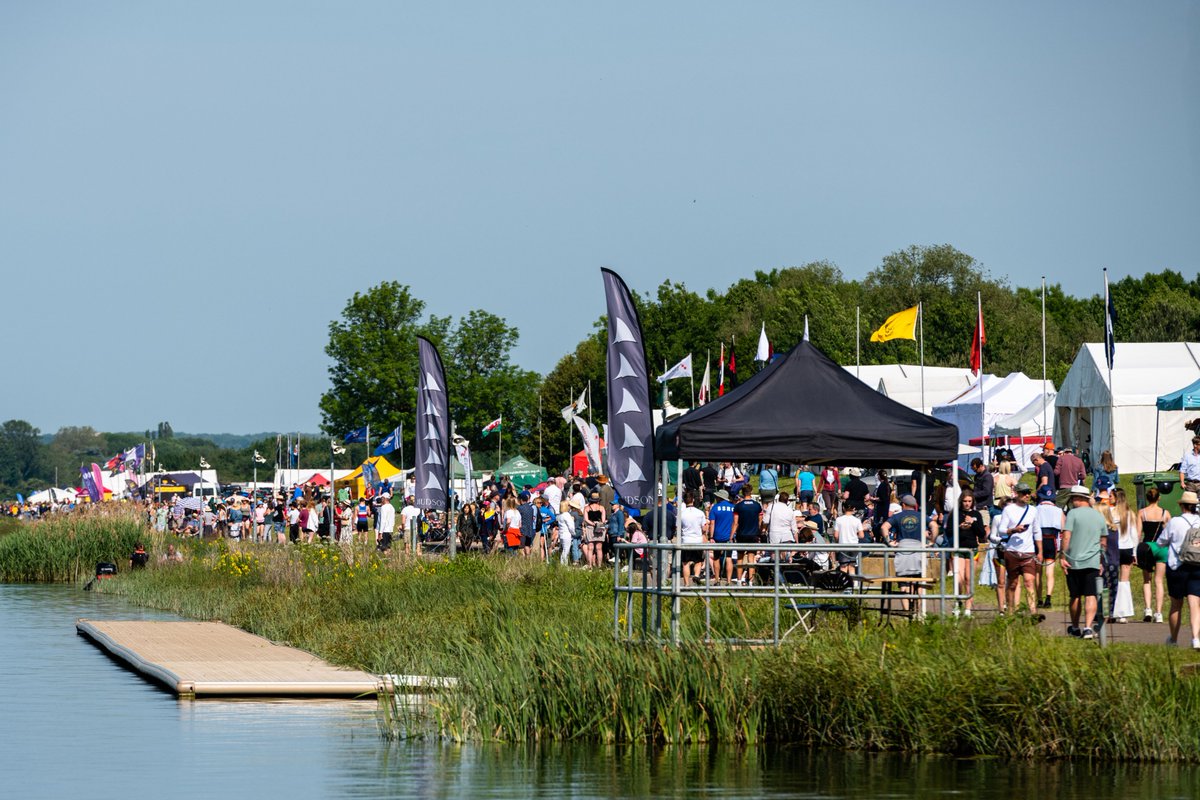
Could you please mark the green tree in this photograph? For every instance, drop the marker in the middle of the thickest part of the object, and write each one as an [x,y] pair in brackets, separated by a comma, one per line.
[373,349]
[20,453]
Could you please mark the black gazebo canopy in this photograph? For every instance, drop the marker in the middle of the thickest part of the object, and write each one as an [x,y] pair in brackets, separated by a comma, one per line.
[803,408]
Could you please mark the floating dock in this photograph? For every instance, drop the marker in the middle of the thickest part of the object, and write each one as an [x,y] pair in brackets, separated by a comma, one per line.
[212,659]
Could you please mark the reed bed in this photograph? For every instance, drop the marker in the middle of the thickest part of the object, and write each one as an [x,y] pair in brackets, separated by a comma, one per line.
[532,648]
[67,547]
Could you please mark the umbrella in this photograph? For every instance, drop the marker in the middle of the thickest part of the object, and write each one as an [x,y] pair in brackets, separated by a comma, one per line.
[189,504]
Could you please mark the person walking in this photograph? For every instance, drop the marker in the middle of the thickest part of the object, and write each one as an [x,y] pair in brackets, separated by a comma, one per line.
[1050,520]
[1151,558]
[386,525]
[1084,538]
[1127,540]
[972,539]
[1183,577]
[1019,530]
[1189,468]
[831,490]
[983,488]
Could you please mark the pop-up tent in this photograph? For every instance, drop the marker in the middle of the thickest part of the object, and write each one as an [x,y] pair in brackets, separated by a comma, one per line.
[354,479]
[1185,399]
[902,382]
[1094,417]
[1027,431]
[975,413]
[802,408]
[522,471]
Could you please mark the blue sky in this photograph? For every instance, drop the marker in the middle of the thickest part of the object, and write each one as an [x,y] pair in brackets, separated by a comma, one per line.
[208,183]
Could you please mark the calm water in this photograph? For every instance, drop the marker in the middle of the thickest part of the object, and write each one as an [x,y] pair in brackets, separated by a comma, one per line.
[74,724]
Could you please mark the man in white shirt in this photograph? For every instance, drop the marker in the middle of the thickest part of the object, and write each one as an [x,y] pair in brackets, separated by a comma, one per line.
[691,525]
[849,530]
[1022,534]
[553,495]
[409,514]
[1189,468]
[386,525]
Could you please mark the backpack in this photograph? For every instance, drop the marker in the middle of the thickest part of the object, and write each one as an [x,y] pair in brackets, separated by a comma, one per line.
[1189,551]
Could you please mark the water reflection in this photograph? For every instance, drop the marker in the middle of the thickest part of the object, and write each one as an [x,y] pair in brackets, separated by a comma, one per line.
[76,723]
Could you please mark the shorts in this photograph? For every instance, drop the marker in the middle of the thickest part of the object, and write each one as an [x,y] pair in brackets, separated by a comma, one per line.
[360,526]
[235,530]
[806,497]
[692,555]
[846,559]
[1049,548]
[1082,582]
[1126,557]
[1183,582]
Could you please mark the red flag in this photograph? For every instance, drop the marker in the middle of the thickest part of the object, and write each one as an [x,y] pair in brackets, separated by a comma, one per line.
[721,382]
[977,343]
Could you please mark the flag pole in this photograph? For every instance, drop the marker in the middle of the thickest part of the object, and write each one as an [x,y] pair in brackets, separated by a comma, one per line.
[1045,427]
[1110,340]
[539,427]
[857,345]
[979,335]
[921,326]
[571,437]
[500,443]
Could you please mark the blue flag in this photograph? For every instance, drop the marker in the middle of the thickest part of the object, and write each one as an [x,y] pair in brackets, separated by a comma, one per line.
[356,435]
[1110,326]
[392,442]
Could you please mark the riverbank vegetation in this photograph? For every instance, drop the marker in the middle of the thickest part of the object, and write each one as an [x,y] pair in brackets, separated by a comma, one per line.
[533,651]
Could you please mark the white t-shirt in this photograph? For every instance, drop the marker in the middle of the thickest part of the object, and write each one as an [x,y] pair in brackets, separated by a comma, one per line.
[408,514]
[1016,515]
[1172,536]
[566,526]
[553,496]
[780,520]
[512,518]
[387,518]
[953,492]
[1049,516]
[691,522]
[848,528]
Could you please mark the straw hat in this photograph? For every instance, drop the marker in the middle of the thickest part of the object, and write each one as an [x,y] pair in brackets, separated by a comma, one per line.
[1190,498]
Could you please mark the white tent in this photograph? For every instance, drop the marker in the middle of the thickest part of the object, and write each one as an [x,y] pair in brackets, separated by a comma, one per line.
[1093,418]
[902,383]
[974,414]
[1028,430]
[51,495]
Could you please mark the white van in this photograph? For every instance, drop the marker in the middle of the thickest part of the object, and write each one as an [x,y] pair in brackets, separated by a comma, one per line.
[206,490]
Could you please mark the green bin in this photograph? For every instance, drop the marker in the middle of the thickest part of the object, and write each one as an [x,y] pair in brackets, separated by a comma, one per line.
[1168,489]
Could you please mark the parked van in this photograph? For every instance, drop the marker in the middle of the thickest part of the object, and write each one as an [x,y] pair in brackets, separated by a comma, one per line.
[206,490]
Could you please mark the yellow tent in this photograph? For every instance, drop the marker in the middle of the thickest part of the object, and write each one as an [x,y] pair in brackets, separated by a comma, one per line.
[355,479]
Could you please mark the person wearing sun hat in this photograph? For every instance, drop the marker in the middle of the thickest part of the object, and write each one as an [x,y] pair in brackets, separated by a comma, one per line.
[1050,520]
[1183,579]
[1084,538]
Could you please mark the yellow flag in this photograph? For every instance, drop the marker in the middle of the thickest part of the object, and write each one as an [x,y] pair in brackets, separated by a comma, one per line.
[901,325]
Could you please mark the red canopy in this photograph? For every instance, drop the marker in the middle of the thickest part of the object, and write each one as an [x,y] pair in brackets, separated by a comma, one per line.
[579,462]
[318,480]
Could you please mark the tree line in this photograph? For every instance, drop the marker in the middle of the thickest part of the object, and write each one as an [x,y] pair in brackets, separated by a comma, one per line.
[373,354]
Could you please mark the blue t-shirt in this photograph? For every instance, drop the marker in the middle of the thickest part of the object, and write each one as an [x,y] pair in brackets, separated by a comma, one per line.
[806,481]
[747,512]
[906,525]
[768,479]
[721,515]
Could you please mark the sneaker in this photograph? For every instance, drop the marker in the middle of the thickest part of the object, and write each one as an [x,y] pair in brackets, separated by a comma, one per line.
[1087,633]
[1147,616]
[1170,642]
[1196,644]
[966,612]
[1158,617]
[1072,631]
[1046,602]
[957,613]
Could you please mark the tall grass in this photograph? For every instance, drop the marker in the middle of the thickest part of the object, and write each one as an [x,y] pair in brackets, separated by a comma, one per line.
[67,547]
[532,648]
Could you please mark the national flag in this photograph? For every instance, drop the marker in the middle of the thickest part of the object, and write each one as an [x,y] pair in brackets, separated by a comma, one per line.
[494,425]
[576,407]
[1110,325]
[258,458]
[391,442]
[114,463]
[295,455]
[901,325]
[705,388]
[681,370]
[134,455]
[978,341]
[357,435]
[764,346]
[721,383]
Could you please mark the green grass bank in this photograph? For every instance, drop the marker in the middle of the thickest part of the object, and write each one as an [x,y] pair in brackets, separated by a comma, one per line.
[533,650]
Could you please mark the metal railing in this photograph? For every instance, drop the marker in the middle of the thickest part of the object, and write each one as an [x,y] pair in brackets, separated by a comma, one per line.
[656,578]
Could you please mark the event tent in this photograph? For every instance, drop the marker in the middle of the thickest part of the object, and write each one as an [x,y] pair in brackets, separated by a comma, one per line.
[1027,431]
[51,495]
[1185,399]
[1093,417]
[522,471]
[902,382]
[354,478]
[802,408]
[975,413]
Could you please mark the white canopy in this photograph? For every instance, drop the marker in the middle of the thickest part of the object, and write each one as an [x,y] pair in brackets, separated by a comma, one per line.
[1093,417]
[902,382]
[1029,420]
[51,495]
[975,413]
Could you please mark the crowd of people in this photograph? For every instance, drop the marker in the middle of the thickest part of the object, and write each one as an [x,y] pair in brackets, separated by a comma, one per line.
[1019,532]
